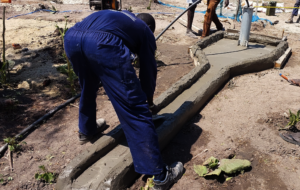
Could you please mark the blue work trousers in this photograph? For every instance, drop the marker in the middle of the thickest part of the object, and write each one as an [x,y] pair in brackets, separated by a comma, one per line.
[295,11]
[99,56]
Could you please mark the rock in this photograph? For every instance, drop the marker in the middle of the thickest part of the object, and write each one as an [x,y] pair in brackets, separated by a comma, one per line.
[24,85]
[35,85]
[24,49]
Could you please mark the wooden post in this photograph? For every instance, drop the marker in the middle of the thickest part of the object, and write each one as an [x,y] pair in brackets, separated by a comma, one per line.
[3,35]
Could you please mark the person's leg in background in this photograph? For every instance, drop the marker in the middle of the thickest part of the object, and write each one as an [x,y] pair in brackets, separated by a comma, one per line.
[190,18]
[215,18]
[294,13]
[210,16]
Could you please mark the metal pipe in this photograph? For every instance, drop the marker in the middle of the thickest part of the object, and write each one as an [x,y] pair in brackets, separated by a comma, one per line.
[247,3]
[198,1]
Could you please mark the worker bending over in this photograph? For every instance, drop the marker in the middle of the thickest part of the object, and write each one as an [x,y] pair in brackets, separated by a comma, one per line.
[211,16]
[100,48]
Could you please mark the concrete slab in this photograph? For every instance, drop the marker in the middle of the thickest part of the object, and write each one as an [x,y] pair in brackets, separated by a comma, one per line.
[223,53]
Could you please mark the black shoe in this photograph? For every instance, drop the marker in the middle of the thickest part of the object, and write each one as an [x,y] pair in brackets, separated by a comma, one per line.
[174,173]
[101,126]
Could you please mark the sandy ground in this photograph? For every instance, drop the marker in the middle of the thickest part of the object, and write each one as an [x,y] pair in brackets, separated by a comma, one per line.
[233,122]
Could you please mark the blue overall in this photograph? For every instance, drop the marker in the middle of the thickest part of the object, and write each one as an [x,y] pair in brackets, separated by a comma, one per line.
[295,11]
[100,48]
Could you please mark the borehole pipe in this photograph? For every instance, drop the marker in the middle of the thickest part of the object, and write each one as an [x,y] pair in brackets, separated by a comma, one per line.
[198,1]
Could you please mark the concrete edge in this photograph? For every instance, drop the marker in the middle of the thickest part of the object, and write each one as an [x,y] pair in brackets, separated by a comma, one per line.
[255,38]
[108,142]
[203,43]
[89,156]
[194,103]
[177,88]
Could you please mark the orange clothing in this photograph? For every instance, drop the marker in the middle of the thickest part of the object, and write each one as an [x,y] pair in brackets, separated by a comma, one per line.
[211,15]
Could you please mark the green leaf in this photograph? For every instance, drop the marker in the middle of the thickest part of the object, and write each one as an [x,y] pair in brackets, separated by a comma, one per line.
[229,178]
[42,167]
[9,178]
[200,170]
[36,176]
[231,166]
[211,162]
[216,172]
[1,181]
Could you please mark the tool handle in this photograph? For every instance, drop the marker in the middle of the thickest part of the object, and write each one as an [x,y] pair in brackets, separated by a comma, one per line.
[283,76]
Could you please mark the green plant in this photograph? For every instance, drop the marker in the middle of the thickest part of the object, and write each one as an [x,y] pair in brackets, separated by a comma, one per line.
[53,9]
[47,176]
[294,119]
[149,184]
[13,144]
[130,9]
[3,73]
[1,179]
[149,7]
[70,72]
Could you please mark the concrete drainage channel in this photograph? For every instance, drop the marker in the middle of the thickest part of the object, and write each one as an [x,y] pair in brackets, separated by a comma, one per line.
[108,163]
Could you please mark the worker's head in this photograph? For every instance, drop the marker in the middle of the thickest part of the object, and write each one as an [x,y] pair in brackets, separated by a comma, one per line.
[148,19]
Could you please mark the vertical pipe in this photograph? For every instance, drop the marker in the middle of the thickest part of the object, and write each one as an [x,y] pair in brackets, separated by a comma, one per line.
[246,26]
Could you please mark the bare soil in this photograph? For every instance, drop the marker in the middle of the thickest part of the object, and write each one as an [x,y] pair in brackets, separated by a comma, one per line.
[242,119]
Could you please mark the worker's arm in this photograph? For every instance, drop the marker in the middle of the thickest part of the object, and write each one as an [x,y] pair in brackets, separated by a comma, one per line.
[148,69]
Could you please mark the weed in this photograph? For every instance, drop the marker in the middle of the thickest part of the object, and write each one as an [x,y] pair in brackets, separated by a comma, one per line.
[47,176]
[53,9]
[10,178]
[1,179]
[149,7]
[294,119]
[149,184]
[13,144]
[130,9]
[70,72]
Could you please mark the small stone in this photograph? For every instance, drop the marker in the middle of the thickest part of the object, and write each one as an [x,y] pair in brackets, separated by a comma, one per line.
[24,49]
[24,85]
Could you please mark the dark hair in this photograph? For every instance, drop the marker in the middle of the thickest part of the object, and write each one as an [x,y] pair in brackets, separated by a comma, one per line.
[148,19]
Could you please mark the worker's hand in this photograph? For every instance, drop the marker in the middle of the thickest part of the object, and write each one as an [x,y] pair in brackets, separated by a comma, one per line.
[226,3]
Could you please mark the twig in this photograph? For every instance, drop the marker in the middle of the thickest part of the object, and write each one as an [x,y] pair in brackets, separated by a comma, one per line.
[74,105]
[10,160]
[199,154]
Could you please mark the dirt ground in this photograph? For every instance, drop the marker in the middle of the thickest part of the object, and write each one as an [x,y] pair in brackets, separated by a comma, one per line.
[233,122]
